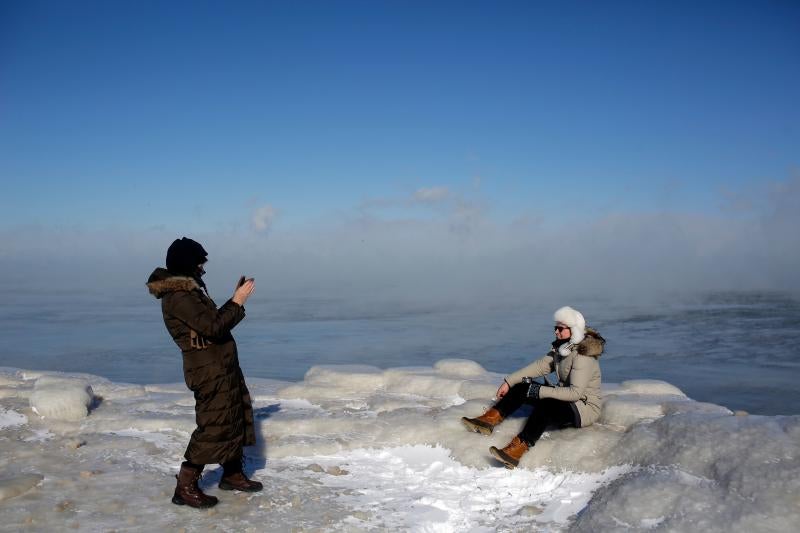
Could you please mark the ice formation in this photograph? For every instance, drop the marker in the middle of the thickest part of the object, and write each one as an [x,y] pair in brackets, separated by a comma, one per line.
[351,448]
[61,397]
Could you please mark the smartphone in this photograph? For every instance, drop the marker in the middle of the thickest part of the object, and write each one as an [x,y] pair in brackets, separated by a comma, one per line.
[241,282]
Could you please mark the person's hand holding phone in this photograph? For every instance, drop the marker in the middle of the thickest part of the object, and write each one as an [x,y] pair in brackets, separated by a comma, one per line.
[244,289]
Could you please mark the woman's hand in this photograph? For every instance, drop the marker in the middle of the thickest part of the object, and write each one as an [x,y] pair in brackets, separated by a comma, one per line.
[243,292]
[502,391]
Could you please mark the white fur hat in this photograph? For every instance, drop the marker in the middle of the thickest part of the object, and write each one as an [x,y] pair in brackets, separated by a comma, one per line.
[574,319]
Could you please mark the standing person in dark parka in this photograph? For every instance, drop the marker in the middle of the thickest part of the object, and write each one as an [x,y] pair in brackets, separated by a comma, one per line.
[223,409]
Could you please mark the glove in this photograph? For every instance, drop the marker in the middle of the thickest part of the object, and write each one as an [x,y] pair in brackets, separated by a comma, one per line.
[533,388]
[533,391]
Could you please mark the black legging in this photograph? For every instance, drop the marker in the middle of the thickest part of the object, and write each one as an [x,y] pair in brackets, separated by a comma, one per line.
[546,412]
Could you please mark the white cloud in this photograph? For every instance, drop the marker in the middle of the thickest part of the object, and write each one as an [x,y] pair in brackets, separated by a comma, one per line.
[262,218]
[431,194]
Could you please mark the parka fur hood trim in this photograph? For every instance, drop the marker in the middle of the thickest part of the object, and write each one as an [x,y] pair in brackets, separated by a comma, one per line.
[592,344]
[162,281]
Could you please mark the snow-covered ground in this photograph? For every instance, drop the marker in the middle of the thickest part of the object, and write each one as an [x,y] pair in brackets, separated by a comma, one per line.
[354,448]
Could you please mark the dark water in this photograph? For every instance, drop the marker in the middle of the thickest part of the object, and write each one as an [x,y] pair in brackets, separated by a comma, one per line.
[738,349]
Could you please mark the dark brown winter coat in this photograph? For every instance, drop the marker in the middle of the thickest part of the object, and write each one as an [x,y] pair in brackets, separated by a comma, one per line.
[223,409]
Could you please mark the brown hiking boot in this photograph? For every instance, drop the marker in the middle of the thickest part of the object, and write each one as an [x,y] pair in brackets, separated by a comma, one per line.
[187,492]
[485,423]
[238,481]
[511,454]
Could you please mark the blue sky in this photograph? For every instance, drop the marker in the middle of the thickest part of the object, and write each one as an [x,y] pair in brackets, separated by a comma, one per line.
[192,116]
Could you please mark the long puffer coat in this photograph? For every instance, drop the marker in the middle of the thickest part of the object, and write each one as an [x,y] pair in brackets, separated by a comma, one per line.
[223,409]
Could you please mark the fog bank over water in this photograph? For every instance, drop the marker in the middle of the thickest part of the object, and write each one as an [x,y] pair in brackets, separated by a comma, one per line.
[454,249]
[693,299]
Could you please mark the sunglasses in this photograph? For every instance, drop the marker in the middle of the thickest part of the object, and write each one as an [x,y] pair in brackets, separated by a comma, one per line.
[560,328]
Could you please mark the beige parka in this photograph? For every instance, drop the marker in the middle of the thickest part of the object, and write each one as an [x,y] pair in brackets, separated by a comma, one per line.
[578,375]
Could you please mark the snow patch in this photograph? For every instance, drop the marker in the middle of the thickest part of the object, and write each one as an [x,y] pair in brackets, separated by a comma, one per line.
[422,488]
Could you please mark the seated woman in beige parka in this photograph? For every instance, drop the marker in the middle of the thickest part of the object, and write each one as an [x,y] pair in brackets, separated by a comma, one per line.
[573,402]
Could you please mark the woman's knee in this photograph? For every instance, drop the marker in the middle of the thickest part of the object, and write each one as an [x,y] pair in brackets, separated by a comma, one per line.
[549,403]
[546,407]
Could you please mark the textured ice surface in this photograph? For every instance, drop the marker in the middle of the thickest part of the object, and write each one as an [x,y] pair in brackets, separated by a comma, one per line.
[14,486]
[361,448]
[10,418]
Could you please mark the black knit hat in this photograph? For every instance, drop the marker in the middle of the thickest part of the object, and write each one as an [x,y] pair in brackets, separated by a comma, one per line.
[184,255]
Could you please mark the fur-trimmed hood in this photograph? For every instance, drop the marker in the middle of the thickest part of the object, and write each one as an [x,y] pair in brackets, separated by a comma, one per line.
[592,344]
[162,281]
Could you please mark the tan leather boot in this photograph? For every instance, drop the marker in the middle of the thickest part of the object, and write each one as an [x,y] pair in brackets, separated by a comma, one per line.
[187,492]
[485,423]
[511,454]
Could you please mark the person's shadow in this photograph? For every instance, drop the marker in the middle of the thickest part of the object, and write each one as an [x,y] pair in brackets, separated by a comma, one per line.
[257,458]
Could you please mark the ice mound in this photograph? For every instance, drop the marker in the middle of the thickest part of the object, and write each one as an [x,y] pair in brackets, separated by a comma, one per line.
[650,387]
[362,448]
[452,379]
[704,473]
[363,406]
[459,368]
[636,400]
[61,398]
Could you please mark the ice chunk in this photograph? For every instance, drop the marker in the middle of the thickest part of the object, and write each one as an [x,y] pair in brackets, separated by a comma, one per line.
[61,398]
[651,387]
[462,368]
[421,383]
[644,400]
[627,411]
[335,383]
